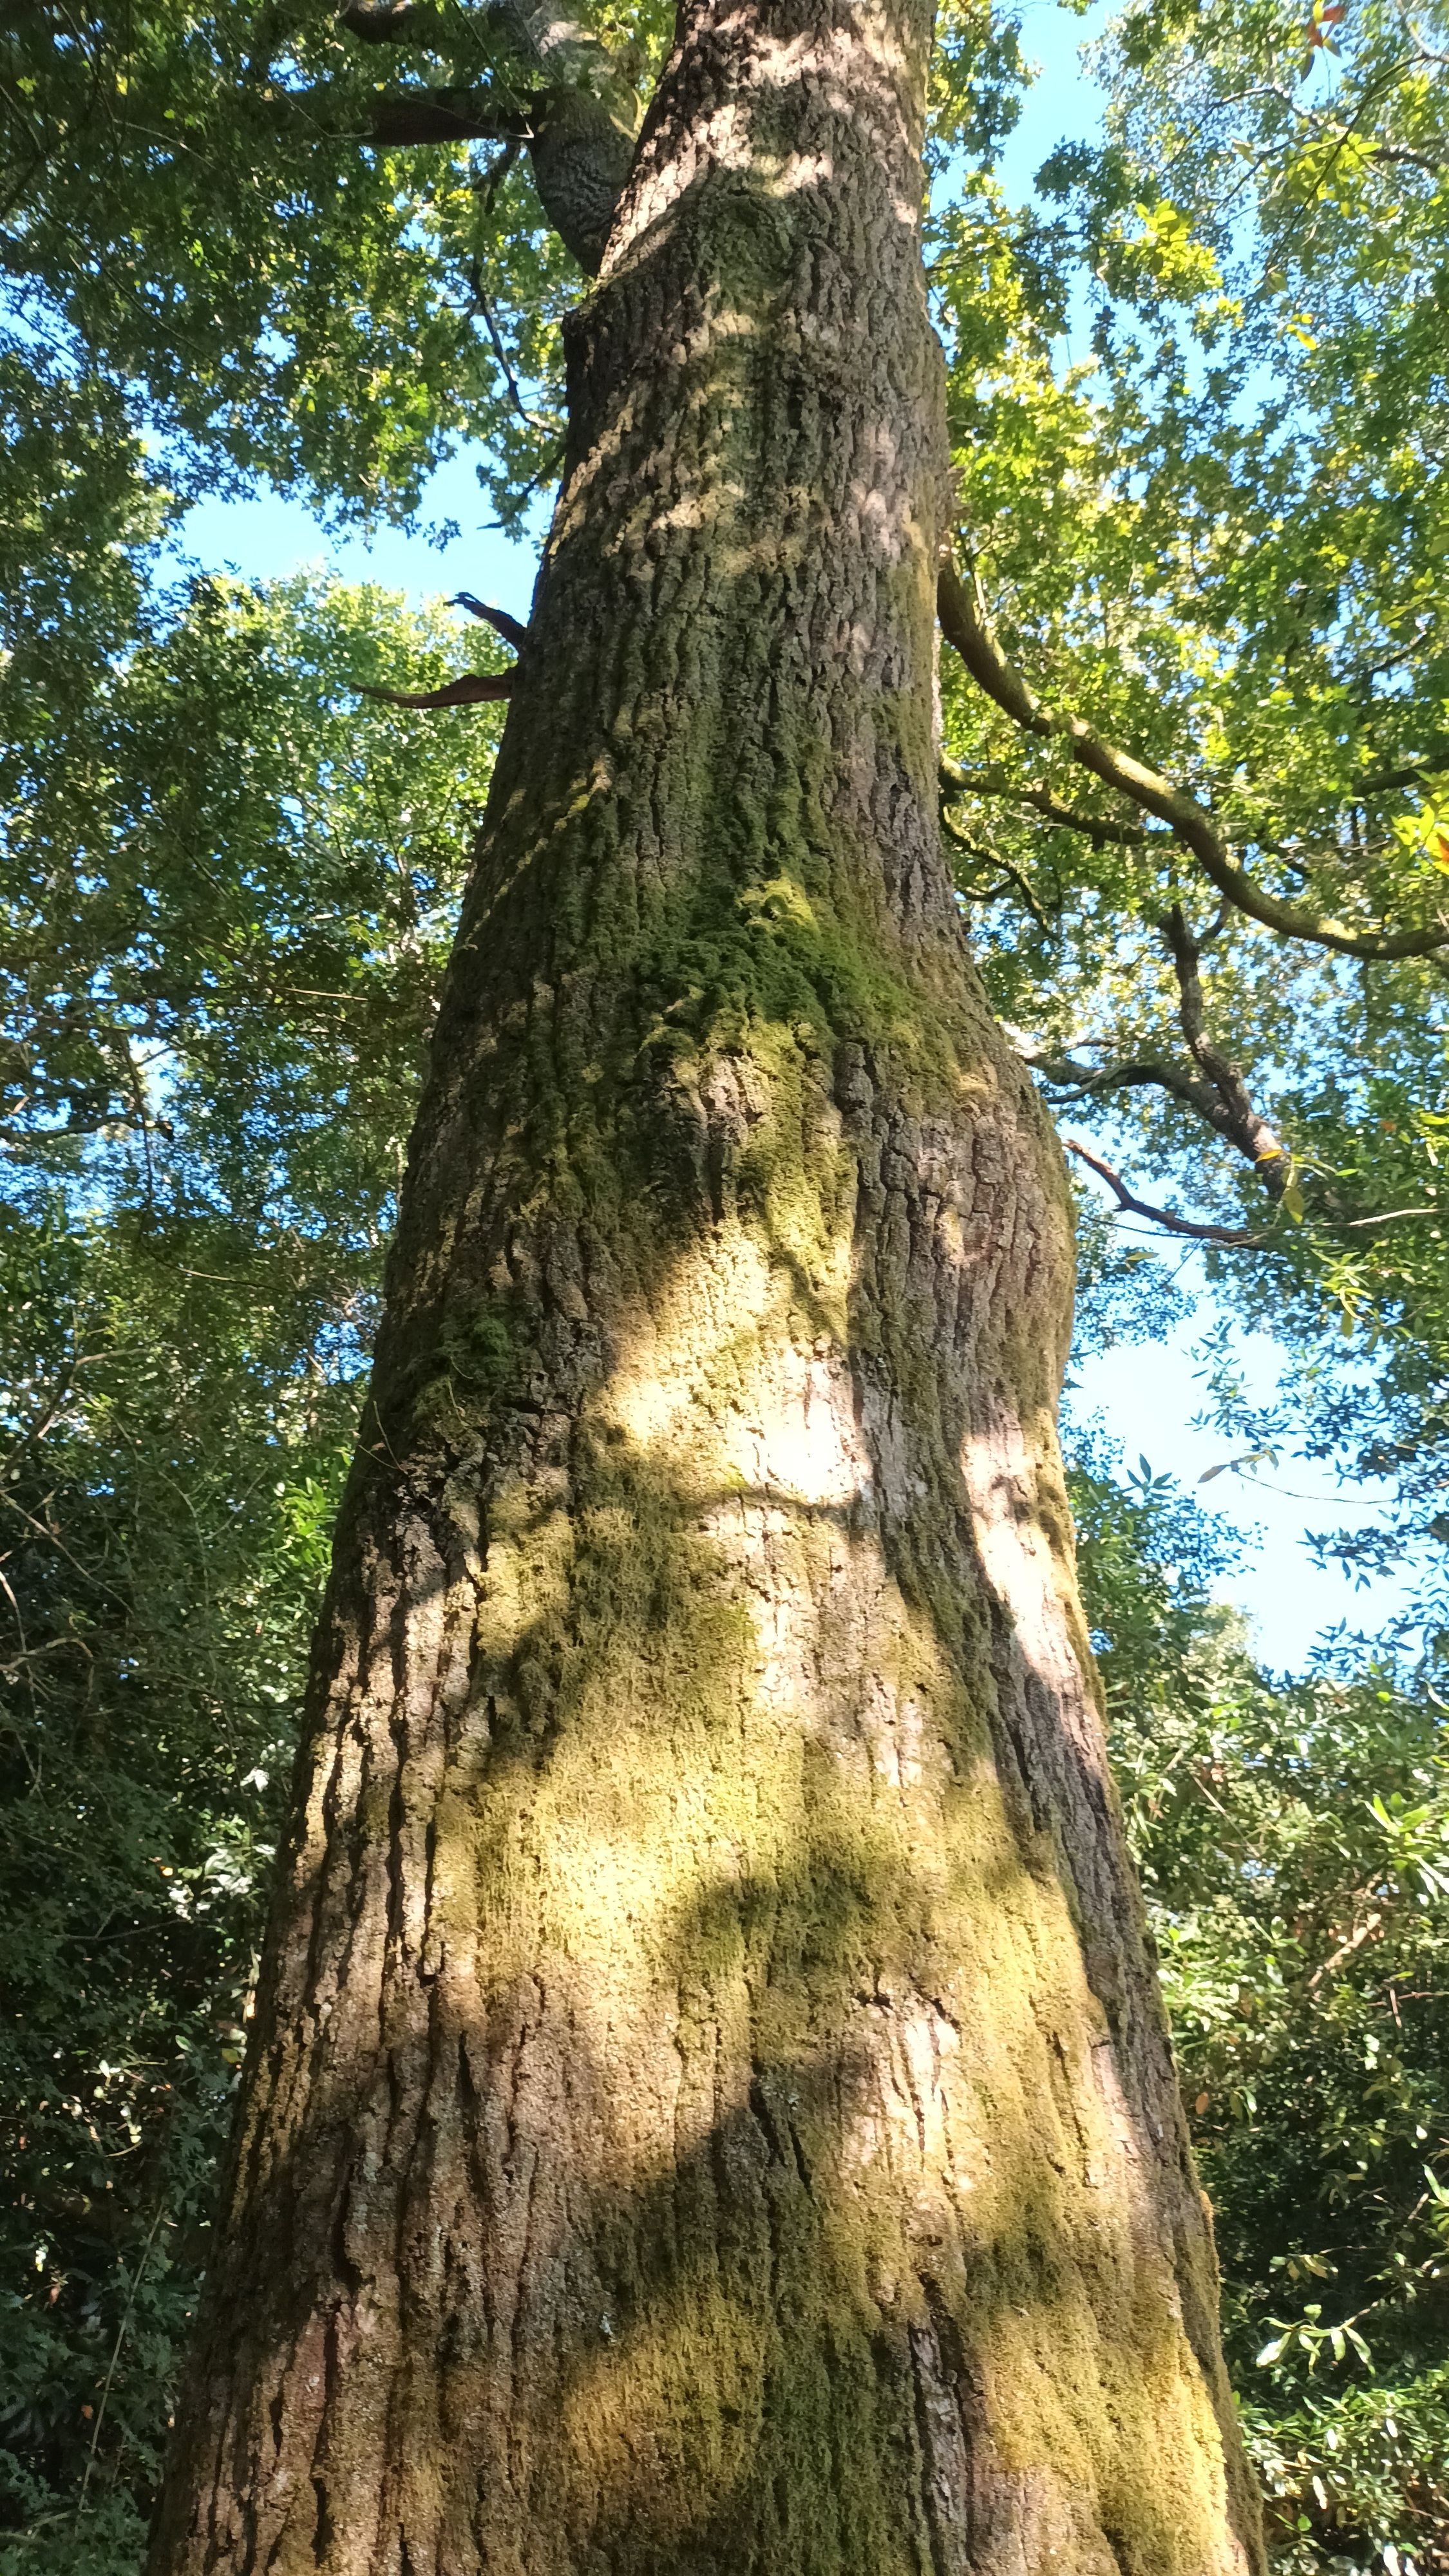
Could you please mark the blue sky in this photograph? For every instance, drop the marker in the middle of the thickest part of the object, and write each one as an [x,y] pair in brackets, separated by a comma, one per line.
[1148,1394]
[267,536]
[1064,104]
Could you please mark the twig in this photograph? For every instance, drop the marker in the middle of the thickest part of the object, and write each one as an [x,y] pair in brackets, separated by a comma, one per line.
[1388,1218]
[115,2357]
[529,419]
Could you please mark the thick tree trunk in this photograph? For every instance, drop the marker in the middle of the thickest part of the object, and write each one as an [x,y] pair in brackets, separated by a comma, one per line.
[710,2106]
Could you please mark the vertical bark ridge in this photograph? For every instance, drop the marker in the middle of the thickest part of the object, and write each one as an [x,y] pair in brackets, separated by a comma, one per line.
[710,2108]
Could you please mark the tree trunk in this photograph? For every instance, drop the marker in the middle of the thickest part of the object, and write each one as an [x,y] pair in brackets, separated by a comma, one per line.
[710,2106]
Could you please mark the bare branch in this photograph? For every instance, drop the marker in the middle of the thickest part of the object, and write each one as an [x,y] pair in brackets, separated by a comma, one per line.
[1390,1216]
[474,689]
[482,305]
[1238,1120]
[1232,1235]
[1076,1081]
[498,618]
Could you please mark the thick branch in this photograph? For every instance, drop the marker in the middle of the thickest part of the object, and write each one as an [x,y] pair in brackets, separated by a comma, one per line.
[964,625]
[566,98]
[399,118]
[580,149]
[393,22]
[1240,1122]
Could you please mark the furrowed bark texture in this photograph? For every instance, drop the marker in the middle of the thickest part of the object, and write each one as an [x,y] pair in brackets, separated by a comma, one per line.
[710,2107]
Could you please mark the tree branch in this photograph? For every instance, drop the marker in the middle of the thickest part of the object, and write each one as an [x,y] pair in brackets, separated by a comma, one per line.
[1239,1121]
[993,859]
[498,618]
[1226,1234]
[1412,772]
[1095,828]
[1217,1093]
[476,688]
[1077,1081]
[391,22]
[401,118]
[580,149]
[482,305]
[964,625]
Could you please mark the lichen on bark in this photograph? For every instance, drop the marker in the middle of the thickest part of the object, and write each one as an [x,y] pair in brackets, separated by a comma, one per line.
[710,2107]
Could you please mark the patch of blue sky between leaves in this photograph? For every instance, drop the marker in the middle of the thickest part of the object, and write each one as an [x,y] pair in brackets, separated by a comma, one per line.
[1149,1395]
[265,536]
[1063,105]
[1064,102]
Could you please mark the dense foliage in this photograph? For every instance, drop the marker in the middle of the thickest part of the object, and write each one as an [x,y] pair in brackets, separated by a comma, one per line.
[1294,1847]
[1219,539]
[228,909]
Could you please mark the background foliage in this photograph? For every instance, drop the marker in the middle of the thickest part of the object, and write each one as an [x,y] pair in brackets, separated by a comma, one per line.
[229,907]
[1220,535]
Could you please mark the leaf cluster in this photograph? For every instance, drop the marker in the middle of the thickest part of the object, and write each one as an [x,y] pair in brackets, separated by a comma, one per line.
[1217,537]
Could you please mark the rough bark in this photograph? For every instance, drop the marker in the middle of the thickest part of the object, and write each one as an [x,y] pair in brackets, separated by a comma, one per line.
[710,2107]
